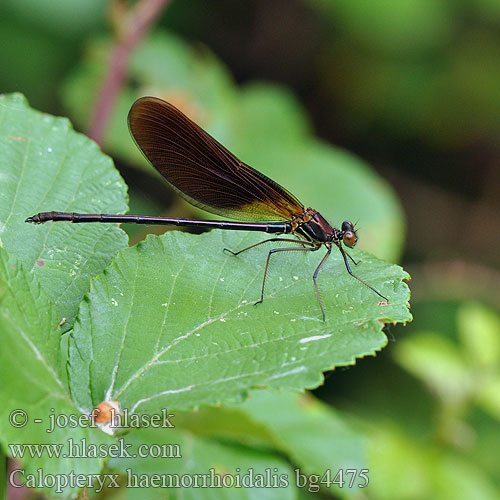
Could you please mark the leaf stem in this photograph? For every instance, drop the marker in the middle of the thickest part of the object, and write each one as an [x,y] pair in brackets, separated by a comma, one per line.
[131,25]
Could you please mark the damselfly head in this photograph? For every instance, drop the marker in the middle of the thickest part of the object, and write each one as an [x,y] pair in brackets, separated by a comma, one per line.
[349,236]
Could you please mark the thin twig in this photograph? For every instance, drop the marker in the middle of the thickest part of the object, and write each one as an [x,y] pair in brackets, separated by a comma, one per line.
[137,21]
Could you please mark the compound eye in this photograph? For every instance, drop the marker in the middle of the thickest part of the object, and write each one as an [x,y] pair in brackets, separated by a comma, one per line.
[347,226]
[350,238]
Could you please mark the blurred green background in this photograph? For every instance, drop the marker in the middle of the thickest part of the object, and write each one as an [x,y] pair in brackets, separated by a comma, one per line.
[386,112]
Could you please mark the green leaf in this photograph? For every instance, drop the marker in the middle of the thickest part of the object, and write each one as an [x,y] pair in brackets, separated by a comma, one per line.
[62,19]
[31,379]
[325,441]
[485,452]
[454,477]
[399,467]
[390,25]
[437,361]
[192,456]
[172,322]
[227,424]
[47,166]
[479,331]
[404,468]
[266,119]
[270,420]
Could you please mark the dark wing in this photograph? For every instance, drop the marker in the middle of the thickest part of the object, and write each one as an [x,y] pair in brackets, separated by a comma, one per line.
[202,170]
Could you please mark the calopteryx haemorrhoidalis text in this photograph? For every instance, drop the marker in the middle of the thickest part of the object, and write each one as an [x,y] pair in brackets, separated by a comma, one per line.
[207,175]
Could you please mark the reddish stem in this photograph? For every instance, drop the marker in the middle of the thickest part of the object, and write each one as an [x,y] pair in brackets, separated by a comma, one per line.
[137,22]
